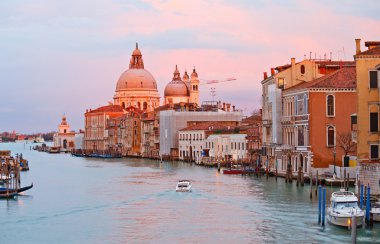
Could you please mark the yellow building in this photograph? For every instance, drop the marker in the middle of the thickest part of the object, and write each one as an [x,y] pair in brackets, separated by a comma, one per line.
[368,132]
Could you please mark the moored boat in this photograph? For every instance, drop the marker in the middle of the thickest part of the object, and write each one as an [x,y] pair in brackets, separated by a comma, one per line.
[344,206]
[233,171]
[375,211]
[53,150]
[19,190]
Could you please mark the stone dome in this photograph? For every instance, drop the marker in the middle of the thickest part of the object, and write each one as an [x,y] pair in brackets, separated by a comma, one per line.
[136,79]
[176,89]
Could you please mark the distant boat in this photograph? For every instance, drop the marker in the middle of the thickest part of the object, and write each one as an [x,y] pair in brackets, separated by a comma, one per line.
[233,171]
[39,139]
[53,150]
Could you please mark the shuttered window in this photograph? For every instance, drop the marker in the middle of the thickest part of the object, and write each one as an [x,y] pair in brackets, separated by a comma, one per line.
[374,122]
[373,79]
[374,151]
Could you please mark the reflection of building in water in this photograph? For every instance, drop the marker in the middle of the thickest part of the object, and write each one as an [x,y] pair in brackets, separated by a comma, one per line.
[136,86]
[64,138]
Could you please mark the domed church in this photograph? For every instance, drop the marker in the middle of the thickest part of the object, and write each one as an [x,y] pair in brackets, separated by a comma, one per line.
[136,86]
[182,90]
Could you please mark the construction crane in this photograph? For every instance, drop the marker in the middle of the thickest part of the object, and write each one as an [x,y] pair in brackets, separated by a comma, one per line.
[208,82]
[211,82]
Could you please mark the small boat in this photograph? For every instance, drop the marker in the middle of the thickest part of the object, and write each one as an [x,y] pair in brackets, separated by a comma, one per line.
[19,190]
[183,186]
[375,211]
[53,150]
[343,206]
[233,171]
[8,195]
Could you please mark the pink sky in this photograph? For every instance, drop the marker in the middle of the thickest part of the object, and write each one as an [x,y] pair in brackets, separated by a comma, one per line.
[64,56]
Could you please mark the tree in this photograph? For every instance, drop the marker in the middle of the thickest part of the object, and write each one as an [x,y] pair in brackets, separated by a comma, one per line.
[346,143]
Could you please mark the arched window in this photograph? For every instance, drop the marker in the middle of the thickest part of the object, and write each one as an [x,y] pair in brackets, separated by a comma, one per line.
[123,104]
[330,105]
[302,69]
[330,136]
[145,106]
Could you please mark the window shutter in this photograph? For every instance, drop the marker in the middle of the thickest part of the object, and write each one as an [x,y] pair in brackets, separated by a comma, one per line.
[373,79]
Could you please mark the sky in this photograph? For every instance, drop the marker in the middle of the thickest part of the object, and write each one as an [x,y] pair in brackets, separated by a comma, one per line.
[63,57]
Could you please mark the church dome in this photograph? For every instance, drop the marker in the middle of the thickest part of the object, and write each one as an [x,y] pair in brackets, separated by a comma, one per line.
[176,88]
[136,77]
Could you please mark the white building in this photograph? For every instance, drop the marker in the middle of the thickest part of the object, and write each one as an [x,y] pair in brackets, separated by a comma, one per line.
[64,138]
[226,146]
[172,121]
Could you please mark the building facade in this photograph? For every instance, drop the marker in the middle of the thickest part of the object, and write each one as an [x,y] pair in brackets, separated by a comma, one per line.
[368,107]
[96,134]
[64,138]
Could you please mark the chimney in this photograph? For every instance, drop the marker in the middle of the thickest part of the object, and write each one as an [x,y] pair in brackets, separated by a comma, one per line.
[357,41]
[233,108]
[293,79]
[272,73]
[265,75]
[224,106]
[228,107]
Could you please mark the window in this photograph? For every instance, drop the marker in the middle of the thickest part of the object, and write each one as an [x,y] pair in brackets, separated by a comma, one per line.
[373,79]
[281,83]
[330,136]
[374,151]
[330,105]
[374,122]
[302,69]
[300,136]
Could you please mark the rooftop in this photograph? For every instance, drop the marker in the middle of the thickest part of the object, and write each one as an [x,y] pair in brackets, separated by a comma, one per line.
[342,78]
[108,108]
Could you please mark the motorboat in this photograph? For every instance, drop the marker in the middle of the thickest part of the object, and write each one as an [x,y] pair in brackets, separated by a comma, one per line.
[53,149]
[375,211]
[183,186]
[343,206]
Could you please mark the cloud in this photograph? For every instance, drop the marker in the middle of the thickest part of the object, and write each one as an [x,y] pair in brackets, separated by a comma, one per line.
[65,56]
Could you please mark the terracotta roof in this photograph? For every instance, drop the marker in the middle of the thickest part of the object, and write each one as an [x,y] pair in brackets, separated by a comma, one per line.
[335,63]
[207,126]
[372,51]
[108,108]
[342,78]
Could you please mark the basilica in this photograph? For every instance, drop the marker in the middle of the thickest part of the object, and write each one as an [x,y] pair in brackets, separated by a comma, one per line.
[137,87]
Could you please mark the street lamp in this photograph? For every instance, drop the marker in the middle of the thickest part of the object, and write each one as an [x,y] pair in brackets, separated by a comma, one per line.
[334,153]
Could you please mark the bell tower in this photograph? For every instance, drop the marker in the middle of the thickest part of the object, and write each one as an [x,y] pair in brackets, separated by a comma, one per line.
[194,85]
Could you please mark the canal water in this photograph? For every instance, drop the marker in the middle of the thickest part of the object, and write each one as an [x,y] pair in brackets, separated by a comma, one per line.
[83,200]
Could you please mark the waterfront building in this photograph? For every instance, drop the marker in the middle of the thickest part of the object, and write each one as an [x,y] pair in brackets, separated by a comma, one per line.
[182,91]
[285,77]
[253,127]
[226,146]
[130,132]
[136,86]
[191,139]
[368,139]
[171,121]
[64,138]
[148,146]
[79,140]
[316,118]
[96,133]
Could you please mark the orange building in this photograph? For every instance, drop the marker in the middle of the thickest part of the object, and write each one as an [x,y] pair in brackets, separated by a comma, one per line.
[96,133]
[316,116]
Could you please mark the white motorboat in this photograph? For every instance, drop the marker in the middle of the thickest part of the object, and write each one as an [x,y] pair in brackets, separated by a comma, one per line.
[375,211]
[183,186]
[343,206]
